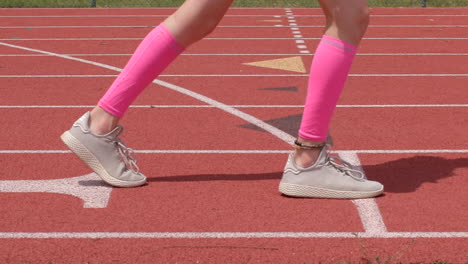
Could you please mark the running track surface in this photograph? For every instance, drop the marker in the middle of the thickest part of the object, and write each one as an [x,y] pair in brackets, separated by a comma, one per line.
[212,193]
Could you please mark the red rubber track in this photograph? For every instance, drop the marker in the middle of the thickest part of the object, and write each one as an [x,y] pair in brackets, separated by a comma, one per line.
[212,192]
[231,251]
[233,46]
[212,65]
[239,91]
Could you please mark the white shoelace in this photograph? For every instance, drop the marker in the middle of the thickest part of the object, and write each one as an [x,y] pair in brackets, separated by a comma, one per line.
[344,167]
[128,155]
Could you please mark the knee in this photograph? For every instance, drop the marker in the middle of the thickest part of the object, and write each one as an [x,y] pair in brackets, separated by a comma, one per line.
[207,26]
[348,21]
[202,28]
[190,30]
[361,19]
[355,19]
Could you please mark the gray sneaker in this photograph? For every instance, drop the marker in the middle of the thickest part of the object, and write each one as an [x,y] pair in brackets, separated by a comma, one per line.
[105,154]
[329,177]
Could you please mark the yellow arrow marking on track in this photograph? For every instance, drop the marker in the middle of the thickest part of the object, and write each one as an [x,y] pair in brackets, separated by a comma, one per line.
[293,64]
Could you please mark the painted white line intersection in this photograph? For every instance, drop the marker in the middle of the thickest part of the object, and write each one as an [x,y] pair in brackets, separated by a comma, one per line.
[89,188]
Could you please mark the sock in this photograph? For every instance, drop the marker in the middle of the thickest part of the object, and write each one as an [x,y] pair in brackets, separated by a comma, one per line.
[328,73]
[153,55]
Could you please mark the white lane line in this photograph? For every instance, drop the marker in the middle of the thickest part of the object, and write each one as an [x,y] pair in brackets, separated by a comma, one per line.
[403,105]
[372,26]
[244,54]
[175,8]
[225,235]
[405,151]
[239,26]
[368,209]
[65,39]
[386,38]
[383,38]
[240,75]
[60,76]
[409,75]
[412,54]
[108,16]
[95,195]
[292,75]
[214,151]
[358,54]
[236,106]
[156,151]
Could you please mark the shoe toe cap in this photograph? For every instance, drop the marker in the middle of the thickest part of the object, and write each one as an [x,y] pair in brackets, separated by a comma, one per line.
[133,177]
[374,186]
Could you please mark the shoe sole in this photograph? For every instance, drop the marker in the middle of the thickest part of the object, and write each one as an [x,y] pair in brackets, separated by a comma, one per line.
[305,191]
[89,159]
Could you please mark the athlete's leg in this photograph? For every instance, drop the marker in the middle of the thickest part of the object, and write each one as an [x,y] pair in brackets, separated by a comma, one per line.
[95,136]
[310,171]
[346,23]
[191,22]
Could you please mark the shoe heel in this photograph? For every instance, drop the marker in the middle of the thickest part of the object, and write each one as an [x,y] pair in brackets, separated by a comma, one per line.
[85,155]
[89,159]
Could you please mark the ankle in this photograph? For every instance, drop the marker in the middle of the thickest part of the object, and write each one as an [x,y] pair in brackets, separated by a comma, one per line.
[101,122]
[307,157]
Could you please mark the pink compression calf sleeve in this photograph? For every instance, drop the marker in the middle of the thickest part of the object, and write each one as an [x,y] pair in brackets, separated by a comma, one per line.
[153,55]
[330,67]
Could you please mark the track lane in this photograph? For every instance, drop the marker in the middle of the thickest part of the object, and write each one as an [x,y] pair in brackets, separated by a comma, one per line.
[423,191]
[189,65]
[125,46]
[381,128]
[233,33]
[185,193]
[239,91]
[234,250]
